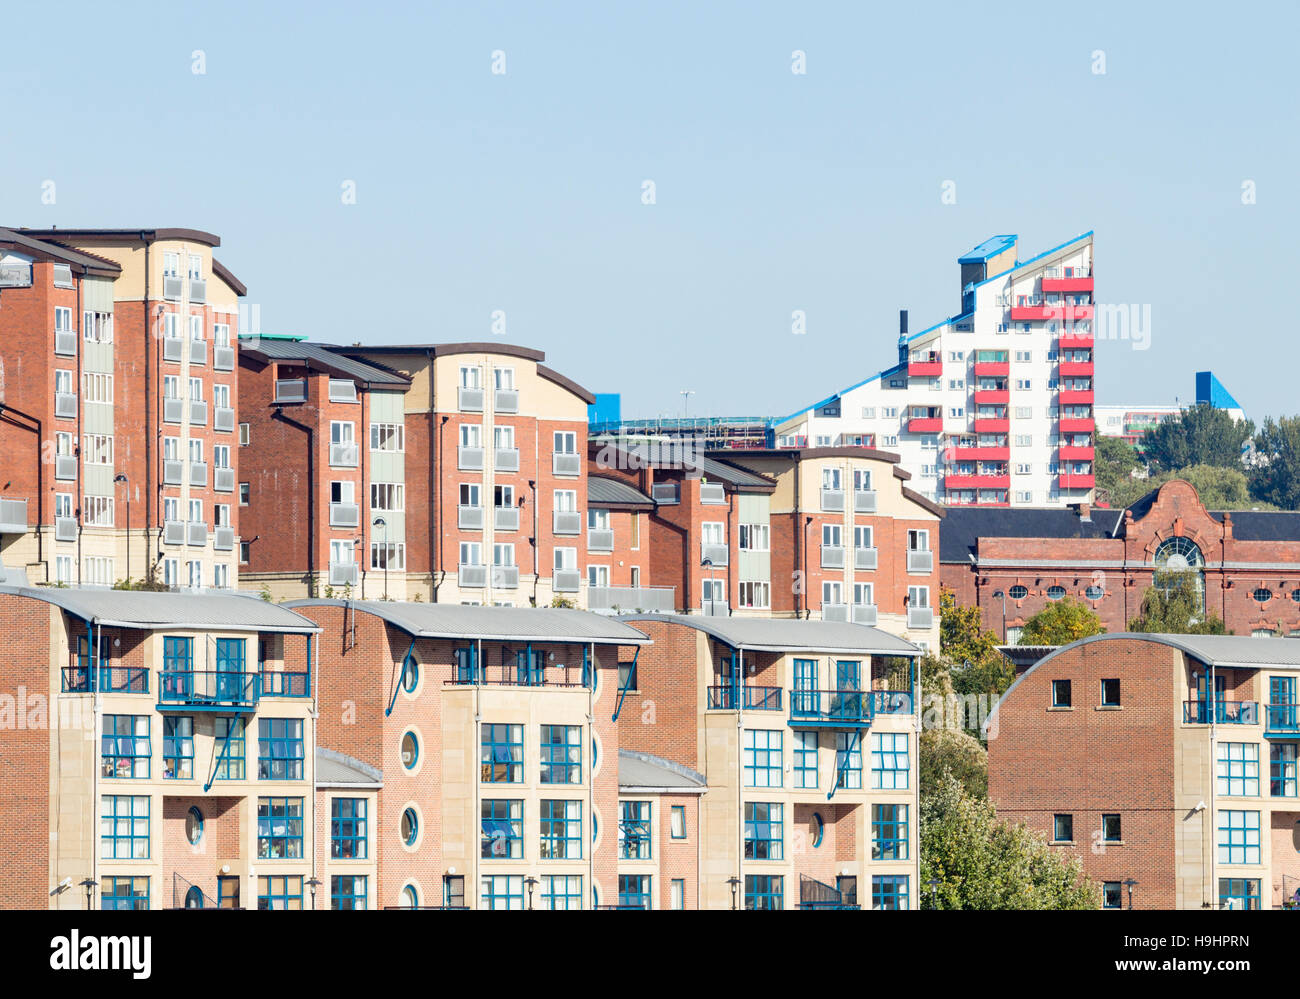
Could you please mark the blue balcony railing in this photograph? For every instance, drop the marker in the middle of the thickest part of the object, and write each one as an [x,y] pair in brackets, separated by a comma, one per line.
[751,698]
[891,702]
[1225,712]
[1282,718]
[291,684]
[111,679]
[212,690]
[845,707]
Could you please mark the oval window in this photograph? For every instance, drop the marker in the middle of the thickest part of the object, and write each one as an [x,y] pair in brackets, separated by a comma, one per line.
[818,829]
[1263,595]
[410,750]
[194,826]
[1095,592]
[1295,595]
[410,674]
[1055,592]
[1018,592]
[410,826]
[410,897]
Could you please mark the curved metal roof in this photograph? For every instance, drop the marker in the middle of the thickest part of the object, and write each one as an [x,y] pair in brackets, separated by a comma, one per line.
[149,611]
[790,634]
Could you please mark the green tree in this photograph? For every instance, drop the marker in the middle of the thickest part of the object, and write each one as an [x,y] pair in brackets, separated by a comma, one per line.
[1113,462]
[946,752]
[979,862]
[1200,434]
[970,652]
[1171,605]
[1219,488]
[1061,622]
[1275,474]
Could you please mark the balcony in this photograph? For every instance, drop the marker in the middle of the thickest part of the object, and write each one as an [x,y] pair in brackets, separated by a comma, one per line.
[223,539]
[1067,285]
[1037,313]
[729,698]
[294,683]
[505,577]
[198,413]
[173,410]
[992,396]
[469,400]
[198,291]
[505,518]
[1070,480]
[1075,397]
[290,390]
[865,559]
[173,472]
[600,539]
[920,421]
[13,516]
[208,690]
[223,358]
[992,364]
[991,425]
[715,608]
[1075,338]
[173,348]
[343,390]
[665,493]
[647,599]
[223,480]
[471,576]
[65,405]
[712,493]
[832,557]
[925,365]
[920,618]
[565,581]
[1225,712]
[80,679]
[835,612]
[1067,453]
[864,501]
[344,455]
[344,574]
[505,459]
[223,418]
[834,708]
[1076,425]
[920,560]
[469,518]
[469,459]
[566,522]
[345,515]
[198,352]
[832,500]
[977,453]
[65,529]
[173,287]
[715,554]
[1075,369]
[505,401]
[977,481]
[199,474]
[865,614]
[563,463]
[65,466]
[174,532]
[196,533]
[65,342]
[1281,719]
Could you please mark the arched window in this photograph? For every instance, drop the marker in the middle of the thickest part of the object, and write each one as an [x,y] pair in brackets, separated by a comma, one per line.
[819,829]
[410,897]
[194,898]
[1182,555]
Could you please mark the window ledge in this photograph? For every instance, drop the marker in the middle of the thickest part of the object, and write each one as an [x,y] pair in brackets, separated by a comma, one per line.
[1109,707]
[1061,707]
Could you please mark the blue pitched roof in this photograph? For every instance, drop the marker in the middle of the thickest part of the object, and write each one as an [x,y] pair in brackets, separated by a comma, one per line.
[991,247]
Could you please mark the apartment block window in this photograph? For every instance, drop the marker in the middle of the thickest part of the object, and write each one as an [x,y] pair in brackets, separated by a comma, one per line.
[387,437]
[762,758]
[1024,412]
[677,893]
[279,892]
[245,548]
[889,412]
[502,836]
[634,833]
[677,822]
[243,494]
[1024,496]
[388,496]
[471,377]
[597,575]
[868,412]
[755,594]
[754,537]
[221,334]
[196,267]
[502,754]
[178,748]
[889,891]
[1024,440]
[348,891]
[196,325]
[124,893]
[956,383]
[566,500]
[1063,828]
[1022,384]
[956,355]
[1024,468]
[805,759]
[764,892]
[280,748]
[348,837]
[1111,830]
[125,748]
[1239,837]
[561,829]
[221,396]
[1282,769]
[848,760]
[561,756]
[229,734]
[561,891]
[97,511]
[62,319]
[124,827]
[889,440]
[97,387]
[713,591]
[388,556]
[634,891]
[764,838]
[1112,895]
[890,760]
[566,442]
[889,840]
[243,435]
[502,891]
[196,389]
[1110,693]
[63,568]
[1239,893]
[1061,697]
[1024,356]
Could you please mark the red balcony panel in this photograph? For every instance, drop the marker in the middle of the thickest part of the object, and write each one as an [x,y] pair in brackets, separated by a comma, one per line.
[1067,453]
[951,481]
[925,424]
[979,454]
[1069,284]
[1075,397]
[992,397]
[1072,338]
[996,425]
[924,369]
[1073,312]
[992,369]
[1034,313]
[1074,425]
[1075,369]
[1077,481]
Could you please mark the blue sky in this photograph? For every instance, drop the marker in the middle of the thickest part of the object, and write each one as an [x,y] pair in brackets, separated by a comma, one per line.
[774,191]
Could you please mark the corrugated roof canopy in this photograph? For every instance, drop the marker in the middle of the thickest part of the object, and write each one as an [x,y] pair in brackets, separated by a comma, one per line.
[323,358]
[337,768]
[643,771]
[537,624]
[602,490]
[791,634]
[150,611]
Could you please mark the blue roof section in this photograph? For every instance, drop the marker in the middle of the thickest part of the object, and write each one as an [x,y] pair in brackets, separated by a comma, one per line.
[1034,259]
[991,247]
[1210,390]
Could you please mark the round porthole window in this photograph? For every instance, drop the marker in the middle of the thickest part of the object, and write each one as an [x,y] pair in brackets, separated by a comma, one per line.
[410,750]
[410,827]
[194,826]
[410,675]
[1055,592]
[1018,592]
[1295,595]
[818,829]
[1263,595]
[1095,592]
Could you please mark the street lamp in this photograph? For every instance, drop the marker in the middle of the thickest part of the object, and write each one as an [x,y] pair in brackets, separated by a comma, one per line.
[90,884]
[934,892]
[708,564]
[735,889]
[380,522]
[1129,883]
[1003,595]
[313,884]
[127,482]
[530,883]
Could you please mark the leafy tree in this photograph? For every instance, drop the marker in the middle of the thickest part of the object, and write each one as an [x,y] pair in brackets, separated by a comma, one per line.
[970,652]
[1061,622]
[946,752]
[979,862]
[1172,606]
[1200,434]
[1219,488]
[1275,474]
[1113,462]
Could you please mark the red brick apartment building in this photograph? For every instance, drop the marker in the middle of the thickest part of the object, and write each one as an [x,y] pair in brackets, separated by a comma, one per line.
[1245,563]
[1169,760]
[470,455]
[117,407]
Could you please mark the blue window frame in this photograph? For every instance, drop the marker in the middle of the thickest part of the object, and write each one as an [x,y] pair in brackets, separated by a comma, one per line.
[803,700]
[561,754]
[230,742]
[1282,769]
[125,746]
[1238,837]
[677,822]
[194,898]
[279,749]
[228,892]
[124,827]
[1239,893]
[561,891]
[889,832]
[178,747]
[529,665]
[889,891]
[124,893]
[348,828]
[1061,696]
[502,754]
[764,891]
[348,891]
[501,891]
[503,829]
[634,830]
[230,655]
[805,759]
[1237,770]
[410,828]
[561,829]
[178,654]
[848,760]
[409,749]
[279,891]
[848,675]
[1112,895]
[465,671]
[762,758]
[1063,828]
[818,829]
[410,673]
[1281,702]
[764,833]
[279,828]
[890,761]
[634,891]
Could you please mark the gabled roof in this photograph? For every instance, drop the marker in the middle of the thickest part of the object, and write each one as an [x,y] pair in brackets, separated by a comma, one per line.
[790,634]
[1262,525]
[649,455]
[612,492]
[322,357]
[510,624]
[149,611]
[965,525]
[87,262]
[643,772]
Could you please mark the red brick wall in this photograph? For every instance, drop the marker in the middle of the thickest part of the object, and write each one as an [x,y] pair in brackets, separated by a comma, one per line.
[661,717]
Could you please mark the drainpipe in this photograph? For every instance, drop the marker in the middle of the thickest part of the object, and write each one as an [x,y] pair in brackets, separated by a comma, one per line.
[477,671]
[311,489]
[435,522]
[40,479]
[798,534]
[591,769]
[537,569]
[80,395]
[148,440]
[1214,859]
[738,693]
[313,664]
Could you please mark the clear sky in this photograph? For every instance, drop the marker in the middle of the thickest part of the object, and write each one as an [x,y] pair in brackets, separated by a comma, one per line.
[773,191]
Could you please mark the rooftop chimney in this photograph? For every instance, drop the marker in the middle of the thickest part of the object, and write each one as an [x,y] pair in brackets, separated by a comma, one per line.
[902,324]
[1085,513]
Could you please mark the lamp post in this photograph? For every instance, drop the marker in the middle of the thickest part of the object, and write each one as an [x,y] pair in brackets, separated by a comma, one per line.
[90,884]
[934,892]
[530,883]
[708,564]
[1003,595]
[119,477]
[380,522]
[1129,883]
[735,890]
[313,884]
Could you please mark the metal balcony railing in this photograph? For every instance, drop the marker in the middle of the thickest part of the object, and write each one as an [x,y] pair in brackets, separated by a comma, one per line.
[832,556]
[665,493]
[173,348]
[291,390]
[291,683]
[344,515]
[469,518]
[835,612]
[198,412]
[199,474]
[566,580]
[505,401]
[198,352]
[712,493]
[726,698]
[223,480]
[921,618]
[716,554]
[600,539]
[865,558]
[65,466]
[65,342]
[173,410]
[1282,717]
[505,518]
[223,418]
[1198,712]
[864,501]
[174,532]
[845,707]
[65,404]
[832,500]
[65,529]
[505,577]
[865,614]
[81,679]
[211,689]
[505,459]
[196,533]
[469,459]
[473,576]
[344,574]
[343,455]
[469,400]
[343,390]
[920,561]
[223,539]
[13,516]
[566,522]
[223,358]
[198,291]
[632,598]
[566,464]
